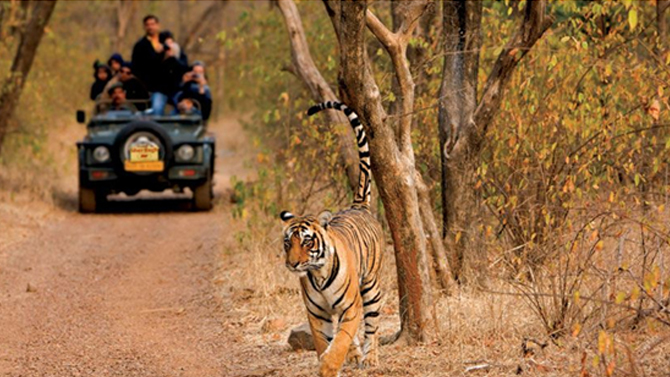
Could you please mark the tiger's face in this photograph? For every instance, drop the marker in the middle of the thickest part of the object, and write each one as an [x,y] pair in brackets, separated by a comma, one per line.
[305,243]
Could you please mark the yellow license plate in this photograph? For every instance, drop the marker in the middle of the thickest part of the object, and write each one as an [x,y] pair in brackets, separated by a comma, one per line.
[144,165]
[142,153]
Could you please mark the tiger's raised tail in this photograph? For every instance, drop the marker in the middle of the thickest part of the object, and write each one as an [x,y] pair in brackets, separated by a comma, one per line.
[363,194]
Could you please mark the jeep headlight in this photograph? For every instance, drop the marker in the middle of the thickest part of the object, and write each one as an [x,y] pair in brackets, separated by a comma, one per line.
[185,152]
[101,154]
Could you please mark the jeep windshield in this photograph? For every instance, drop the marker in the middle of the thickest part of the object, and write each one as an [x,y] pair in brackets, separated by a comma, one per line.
[123,117]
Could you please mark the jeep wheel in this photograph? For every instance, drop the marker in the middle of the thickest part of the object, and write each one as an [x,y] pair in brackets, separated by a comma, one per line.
[90,200]
[202,196]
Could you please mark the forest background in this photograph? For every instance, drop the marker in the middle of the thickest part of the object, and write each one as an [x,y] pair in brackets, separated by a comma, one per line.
[559,259]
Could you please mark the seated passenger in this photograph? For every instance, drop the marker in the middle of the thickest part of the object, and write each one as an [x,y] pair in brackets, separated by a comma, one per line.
[115,62]
[194,85]
[118,95]
[185,106]
[135,89]
[102,76]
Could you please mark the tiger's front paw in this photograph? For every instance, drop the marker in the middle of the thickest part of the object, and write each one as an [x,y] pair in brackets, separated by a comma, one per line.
[371,359]
[327,370]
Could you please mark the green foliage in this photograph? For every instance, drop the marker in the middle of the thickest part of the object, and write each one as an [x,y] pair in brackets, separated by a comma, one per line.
[575,162]
[297,163]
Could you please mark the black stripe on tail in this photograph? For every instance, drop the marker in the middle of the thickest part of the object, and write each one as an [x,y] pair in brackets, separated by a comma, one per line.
[363,192]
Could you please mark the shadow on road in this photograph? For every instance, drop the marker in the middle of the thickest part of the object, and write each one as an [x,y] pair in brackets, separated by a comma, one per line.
[147,205]
[144,202]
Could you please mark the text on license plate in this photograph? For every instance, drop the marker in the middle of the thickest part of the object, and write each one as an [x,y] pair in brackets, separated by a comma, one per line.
[144,165]
[143,153]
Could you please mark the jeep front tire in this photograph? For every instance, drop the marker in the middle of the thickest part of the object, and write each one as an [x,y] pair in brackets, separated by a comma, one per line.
[202,196]
[90,200]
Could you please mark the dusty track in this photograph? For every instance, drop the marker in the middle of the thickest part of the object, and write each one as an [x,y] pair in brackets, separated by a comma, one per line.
[117,294]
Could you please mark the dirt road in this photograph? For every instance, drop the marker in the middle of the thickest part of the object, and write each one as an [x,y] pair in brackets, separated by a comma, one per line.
[118,294]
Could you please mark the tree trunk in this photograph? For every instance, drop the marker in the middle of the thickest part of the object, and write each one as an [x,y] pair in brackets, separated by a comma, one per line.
[303,66]
[458,98]
[661,24]
[220,75]
[464,122]
[23,60]
[124,12]
[391,149]
[209,17]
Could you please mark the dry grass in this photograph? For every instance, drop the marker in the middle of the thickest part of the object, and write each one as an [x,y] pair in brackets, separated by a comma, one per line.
[490,331]
[478,332]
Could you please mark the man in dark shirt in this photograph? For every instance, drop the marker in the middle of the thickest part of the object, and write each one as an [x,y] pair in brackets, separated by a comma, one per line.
[135,89]
[174,65]
[147,57]
[118,95]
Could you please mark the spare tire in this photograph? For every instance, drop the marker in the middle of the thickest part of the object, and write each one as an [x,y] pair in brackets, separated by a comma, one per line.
[149,128]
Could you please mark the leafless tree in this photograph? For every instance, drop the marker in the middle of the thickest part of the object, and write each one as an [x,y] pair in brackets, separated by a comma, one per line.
[40,12]
[463,122]
[463,118]
[303,66]
[207,20]
[661,23]
[393,161]
[124,12]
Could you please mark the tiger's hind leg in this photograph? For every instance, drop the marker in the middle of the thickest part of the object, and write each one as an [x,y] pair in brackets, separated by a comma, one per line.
[355,356]
[372,304]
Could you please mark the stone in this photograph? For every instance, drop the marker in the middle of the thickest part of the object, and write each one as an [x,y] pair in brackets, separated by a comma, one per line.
[301,338]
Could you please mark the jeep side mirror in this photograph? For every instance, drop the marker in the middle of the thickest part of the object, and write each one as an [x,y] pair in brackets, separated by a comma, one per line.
[81,116]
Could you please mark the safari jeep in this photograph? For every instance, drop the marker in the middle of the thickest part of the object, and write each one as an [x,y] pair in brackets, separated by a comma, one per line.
[125,152]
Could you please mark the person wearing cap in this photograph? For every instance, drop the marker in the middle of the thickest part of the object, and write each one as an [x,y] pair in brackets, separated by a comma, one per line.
[194,85]
[118,95]
[115,62]
[102,75]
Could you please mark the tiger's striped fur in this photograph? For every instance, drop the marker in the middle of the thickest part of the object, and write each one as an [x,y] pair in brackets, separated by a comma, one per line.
[338,258]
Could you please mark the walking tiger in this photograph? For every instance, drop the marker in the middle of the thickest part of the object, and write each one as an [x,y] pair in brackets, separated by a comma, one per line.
[338,259]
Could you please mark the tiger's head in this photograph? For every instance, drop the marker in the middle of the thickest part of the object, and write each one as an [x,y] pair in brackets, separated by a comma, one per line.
[306,241]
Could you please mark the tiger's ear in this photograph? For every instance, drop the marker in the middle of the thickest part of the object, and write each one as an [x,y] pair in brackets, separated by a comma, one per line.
[324,218]
[286,216]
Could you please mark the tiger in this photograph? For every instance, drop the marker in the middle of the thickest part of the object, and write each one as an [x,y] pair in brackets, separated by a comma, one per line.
[338,258]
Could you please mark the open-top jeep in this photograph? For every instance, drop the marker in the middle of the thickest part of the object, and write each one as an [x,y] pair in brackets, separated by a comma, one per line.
[126,151]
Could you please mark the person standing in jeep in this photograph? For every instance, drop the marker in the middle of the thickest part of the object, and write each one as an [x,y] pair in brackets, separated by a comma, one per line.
[148,54]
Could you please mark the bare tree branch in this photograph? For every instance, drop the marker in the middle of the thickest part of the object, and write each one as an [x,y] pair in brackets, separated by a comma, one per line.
[124,11]
[387,38]
[396,46]
[23,61]
[535,22]
[304,67]
[392,164]
[210,15]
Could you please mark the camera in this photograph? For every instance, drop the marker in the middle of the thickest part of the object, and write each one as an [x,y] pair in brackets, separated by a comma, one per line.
[166,46]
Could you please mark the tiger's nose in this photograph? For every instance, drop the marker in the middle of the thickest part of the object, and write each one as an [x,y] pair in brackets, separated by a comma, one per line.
[292,266]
